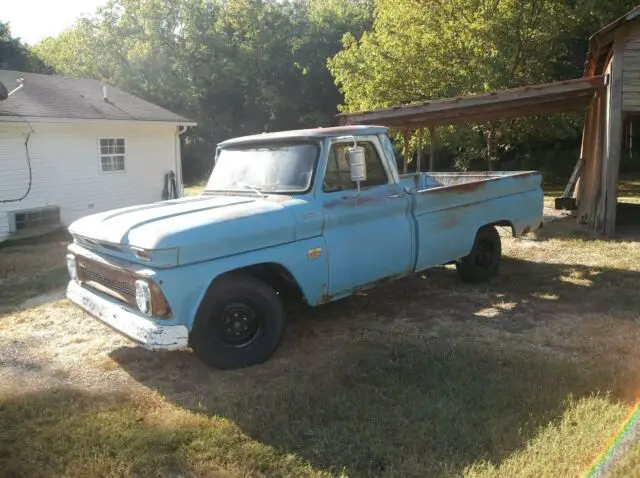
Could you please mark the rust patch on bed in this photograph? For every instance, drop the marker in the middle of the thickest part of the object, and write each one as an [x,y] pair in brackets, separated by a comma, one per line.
[468,187]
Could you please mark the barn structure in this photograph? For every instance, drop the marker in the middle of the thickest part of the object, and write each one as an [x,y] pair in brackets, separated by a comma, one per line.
[608,93]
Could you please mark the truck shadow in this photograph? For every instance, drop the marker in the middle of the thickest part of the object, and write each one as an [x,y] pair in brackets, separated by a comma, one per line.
[404,380]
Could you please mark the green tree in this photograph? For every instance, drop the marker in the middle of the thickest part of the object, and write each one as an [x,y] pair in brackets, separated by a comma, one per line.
[419,50]
[15,55]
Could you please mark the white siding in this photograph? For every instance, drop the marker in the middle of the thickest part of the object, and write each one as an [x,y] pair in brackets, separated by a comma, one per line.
[66,171]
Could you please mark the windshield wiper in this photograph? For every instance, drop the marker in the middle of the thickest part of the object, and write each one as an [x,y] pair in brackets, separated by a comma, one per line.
[252,188]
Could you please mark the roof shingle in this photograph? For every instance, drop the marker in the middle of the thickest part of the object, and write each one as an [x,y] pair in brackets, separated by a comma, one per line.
[46,96]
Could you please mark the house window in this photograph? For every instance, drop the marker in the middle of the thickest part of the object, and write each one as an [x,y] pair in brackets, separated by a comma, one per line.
[49,216]
[112,154]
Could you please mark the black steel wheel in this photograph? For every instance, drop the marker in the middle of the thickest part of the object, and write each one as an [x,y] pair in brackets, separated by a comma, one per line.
[240,323]
[483,262]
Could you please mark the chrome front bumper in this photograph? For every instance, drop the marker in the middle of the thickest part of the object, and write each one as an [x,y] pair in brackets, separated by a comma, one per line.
[139,328]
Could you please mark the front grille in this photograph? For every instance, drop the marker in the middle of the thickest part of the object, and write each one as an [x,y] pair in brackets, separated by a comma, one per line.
[114,282]
[122,287]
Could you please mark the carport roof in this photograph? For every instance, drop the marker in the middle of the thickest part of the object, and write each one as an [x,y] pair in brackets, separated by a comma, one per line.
[533,100]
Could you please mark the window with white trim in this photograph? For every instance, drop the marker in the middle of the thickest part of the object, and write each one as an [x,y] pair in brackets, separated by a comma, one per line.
[112,152]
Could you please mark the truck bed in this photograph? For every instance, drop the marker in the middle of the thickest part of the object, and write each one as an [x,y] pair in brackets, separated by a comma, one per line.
[427,181]
[449,208]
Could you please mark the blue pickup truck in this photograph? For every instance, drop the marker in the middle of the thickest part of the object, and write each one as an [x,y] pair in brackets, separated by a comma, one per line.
[310,214]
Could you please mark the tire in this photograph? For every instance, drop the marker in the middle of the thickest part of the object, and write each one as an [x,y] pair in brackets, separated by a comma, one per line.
[240,323]
[483,262]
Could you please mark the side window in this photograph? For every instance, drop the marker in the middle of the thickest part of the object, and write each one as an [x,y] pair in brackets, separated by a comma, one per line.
[112,154]
[337,176]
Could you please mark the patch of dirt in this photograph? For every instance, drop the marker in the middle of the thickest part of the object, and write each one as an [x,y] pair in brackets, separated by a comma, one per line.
[55,344]
[43,299]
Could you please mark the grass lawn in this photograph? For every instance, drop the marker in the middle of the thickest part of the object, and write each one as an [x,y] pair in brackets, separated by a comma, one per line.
[194,189]
[529,375]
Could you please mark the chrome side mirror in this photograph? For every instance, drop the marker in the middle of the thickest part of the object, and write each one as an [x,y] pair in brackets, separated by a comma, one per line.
[357,164]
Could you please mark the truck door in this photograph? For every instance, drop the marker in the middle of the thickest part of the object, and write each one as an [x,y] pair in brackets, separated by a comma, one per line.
[368,233]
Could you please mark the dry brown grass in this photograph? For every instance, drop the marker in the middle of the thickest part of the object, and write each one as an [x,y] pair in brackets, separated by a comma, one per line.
[528,375]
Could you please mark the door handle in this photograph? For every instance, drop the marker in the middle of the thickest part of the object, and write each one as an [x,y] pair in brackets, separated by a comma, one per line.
[404,192]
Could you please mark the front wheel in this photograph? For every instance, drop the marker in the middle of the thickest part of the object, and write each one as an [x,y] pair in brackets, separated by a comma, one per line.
[240,323]
[483,262]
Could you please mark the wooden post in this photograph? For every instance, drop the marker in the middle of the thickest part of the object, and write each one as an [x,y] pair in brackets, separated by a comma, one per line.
[614,135]
[488,133]
[432,146]
[595,185]
[420,138]
[584,189]
[406,151]
[601,170]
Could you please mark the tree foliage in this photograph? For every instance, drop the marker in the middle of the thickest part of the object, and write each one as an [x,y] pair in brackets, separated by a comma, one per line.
[15,55]
[246,66]
[419,50]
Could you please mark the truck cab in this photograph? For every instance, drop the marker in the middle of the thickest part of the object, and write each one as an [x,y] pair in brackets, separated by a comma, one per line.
[313,214]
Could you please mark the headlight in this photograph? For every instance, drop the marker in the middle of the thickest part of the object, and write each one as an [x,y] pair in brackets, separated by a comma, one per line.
[71,267]
[143,296]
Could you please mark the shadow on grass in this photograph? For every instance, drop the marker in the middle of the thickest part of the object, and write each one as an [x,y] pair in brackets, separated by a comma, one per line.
[73,433]
[387,410]
[394,405]
[568,228]
[48,235]
[41,282]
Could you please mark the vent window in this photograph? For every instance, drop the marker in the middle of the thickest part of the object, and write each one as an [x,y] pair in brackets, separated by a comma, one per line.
[49,216]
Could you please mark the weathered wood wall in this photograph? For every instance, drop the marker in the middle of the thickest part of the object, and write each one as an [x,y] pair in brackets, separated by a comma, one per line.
[607,204]
[588,187]
[631,69]
[597,191]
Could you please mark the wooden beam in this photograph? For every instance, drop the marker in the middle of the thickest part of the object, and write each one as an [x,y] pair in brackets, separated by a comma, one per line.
[476,115]
[420,139]
[405,167]
[432,147]
[571,88]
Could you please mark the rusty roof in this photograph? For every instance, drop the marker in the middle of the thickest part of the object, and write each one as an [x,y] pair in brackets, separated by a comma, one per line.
[532,100]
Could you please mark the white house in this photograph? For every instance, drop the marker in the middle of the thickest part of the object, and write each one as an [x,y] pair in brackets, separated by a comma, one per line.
[71,147]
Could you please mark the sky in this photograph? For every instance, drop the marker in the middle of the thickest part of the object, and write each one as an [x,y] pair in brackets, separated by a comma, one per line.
[33,20]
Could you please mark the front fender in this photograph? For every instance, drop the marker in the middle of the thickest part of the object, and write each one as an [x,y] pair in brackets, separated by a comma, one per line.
[185,287]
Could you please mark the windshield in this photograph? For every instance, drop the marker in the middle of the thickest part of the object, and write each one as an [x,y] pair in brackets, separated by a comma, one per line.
[267,168]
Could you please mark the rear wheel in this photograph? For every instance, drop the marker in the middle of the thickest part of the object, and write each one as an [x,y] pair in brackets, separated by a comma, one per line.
[483,262]
[240,323]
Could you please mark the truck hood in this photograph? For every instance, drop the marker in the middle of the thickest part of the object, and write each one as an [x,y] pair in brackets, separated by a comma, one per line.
[204,227]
